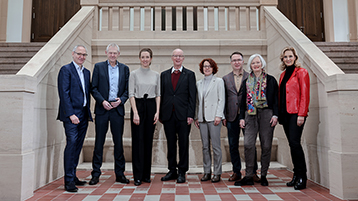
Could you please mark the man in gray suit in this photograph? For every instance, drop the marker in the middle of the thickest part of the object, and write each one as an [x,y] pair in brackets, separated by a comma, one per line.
[233,82]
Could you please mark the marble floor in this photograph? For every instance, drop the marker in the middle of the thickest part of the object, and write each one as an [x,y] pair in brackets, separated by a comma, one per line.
[192,190]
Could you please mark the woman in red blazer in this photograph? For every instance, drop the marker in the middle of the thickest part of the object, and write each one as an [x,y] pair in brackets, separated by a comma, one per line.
[294,98]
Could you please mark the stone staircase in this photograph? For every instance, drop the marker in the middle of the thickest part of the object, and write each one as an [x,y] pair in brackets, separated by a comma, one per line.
[13,56]
[344,54]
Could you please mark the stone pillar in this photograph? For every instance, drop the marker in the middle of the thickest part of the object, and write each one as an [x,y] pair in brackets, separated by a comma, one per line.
[16,137]
[342,91]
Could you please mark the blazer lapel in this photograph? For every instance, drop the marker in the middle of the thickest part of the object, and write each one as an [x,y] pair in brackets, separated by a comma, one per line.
[105,68]
[232,81]
[74,72]
[120,74]
[181,77]
[211,84]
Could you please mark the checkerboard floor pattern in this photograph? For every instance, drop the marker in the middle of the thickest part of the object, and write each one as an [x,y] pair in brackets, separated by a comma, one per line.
[192,190]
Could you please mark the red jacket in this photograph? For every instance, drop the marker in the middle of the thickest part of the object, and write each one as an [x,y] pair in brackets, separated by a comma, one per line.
[297,92]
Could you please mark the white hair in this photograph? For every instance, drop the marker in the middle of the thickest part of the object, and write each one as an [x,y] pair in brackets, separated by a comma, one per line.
[112,45]
[74,49]
[252,57]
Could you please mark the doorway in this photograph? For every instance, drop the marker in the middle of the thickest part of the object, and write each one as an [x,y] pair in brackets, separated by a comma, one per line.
[49,16]
[307,15]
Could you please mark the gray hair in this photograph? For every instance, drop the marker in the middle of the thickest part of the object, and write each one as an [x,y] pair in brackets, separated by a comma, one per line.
[112,45]
[263,62]
[74,49]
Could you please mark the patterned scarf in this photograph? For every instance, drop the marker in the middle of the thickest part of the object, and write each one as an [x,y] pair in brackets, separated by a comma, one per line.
[256,92]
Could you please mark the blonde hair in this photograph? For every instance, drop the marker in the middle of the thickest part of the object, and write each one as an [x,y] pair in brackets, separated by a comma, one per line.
[296,63]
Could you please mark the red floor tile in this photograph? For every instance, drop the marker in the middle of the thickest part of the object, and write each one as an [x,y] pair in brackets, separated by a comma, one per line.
[108,189]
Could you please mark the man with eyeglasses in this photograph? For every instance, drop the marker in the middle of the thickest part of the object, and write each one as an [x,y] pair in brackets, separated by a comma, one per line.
[177,110]
[74,111]
[110,90]
[233,93]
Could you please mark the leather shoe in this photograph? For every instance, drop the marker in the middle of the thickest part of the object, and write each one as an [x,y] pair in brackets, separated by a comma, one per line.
[206,177]
[79,182]
[245,181]
[181,178]
[170,176]
[94,181]
[256,178]
[216,178]
[146,180]
[293,181]
[70,187]
[235,177]
[264,181]
[122,179]
[301,184]
[137,182]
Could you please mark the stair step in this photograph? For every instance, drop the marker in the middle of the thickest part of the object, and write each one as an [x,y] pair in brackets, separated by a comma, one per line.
[7,54]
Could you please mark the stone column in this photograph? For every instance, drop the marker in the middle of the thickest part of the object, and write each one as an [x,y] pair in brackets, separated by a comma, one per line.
[16,137]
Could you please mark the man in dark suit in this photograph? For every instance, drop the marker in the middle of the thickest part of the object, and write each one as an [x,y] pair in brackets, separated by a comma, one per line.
[233,82]
[110,90]
[74,111]
[177,110]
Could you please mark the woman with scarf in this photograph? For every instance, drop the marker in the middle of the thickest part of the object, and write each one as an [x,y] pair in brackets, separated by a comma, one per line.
[294,100]
[261,112]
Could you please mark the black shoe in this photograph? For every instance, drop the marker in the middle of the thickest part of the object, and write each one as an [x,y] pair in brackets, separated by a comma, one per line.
[94,181]
[216,178]
[245,181]
[170,176]
[79,182]
[122,179]
[264,181]
[146,180]
[293,181]
[137,182]
[181,178]
[70,187]
[206,177]
[301,184]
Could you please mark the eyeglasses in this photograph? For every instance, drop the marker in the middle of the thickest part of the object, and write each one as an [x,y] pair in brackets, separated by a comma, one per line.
[178,56]
[207,67]
[236,60]
[80,54]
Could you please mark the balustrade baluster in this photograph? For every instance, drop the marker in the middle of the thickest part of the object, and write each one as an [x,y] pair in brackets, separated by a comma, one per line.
[248,26]
[189,18]
[110,18]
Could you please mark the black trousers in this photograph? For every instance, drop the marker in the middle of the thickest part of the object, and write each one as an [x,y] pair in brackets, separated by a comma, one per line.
[177,131]
[293,134]
[142,138]
[101,127]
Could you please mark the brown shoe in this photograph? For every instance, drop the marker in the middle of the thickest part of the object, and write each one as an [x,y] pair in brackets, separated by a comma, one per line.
[256,178]
[206,177]
[235,177]
[216,178]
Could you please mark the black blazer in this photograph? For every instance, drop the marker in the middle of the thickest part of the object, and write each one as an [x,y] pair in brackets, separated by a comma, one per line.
[271,96]
[100,86]
[183,98]
[71,93]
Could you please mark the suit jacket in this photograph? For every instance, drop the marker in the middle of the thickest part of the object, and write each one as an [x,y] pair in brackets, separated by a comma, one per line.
[232,96]
[100,86]
[71,93]
[183,98]
[211,104]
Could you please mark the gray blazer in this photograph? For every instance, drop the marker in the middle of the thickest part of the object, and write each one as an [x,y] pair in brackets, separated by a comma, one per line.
[232,96]
[214,100]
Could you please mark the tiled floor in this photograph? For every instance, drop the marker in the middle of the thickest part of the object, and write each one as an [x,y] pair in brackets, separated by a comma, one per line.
[192,190]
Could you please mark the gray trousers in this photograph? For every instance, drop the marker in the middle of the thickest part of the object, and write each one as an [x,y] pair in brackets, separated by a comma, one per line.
[208,133]
[259,123]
